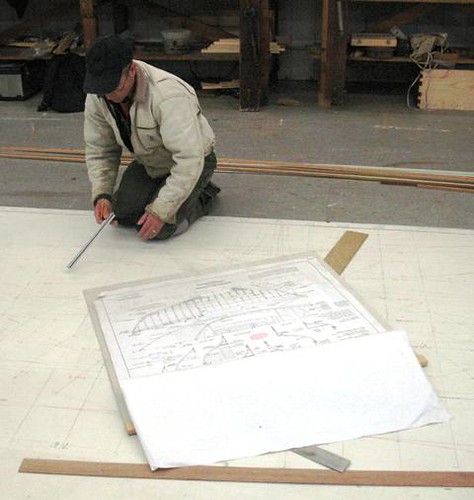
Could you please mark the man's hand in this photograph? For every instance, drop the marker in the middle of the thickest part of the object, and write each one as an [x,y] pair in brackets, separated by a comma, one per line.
[151,226]
[103,208]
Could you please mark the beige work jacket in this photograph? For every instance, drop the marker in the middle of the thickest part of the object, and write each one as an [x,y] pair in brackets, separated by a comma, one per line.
[169,135]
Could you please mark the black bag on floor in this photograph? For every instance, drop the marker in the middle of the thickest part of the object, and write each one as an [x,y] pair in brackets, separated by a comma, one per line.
[63,84]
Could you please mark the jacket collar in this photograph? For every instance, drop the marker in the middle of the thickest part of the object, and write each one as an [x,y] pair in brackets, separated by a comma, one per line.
[141,90]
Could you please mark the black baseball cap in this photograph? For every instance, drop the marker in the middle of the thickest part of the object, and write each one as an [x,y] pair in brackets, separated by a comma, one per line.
[105,61]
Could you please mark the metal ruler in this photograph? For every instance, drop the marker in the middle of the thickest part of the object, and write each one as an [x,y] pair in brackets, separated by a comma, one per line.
[323,457]
[104,224]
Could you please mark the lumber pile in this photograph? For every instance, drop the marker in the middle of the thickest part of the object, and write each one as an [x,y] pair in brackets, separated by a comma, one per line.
[446,89]
[231,84]
[423,178]
[232,46]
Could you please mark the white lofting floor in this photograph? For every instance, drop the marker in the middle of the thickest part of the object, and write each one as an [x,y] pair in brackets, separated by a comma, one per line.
[56,400]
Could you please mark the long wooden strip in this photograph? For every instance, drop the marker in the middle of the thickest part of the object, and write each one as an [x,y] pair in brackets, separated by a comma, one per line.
[456,182]
[433,179]
[330,175]
[459,189]
[36,156]
[41,149]
[250,474]
[451,186]
[379,171]
[236,162]
[259,163]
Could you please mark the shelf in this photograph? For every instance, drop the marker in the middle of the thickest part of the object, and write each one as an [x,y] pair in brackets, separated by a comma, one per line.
[20,54]
[156,55]
[334,40]
[399,59]
[27,54]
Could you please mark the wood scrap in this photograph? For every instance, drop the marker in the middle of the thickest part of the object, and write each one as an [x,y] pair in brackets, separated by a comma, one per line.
[287,101]
[344,250]
[66,42]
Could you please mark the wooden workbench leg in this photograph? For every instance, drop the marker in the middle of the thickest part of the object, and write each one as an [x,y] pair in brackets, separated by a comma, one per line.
[254,54]
[89,21]
[333,52]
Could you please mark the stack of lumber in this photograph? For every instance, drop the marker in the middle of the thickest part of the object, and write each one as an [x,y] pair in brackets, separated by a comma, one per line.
[446,89]
[423,178]
[375,44]
[231,84]
[232,46]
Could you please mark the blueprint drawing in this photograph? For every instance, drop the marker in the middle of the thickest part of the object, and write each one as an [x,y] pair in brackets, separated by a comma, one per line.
[187,323]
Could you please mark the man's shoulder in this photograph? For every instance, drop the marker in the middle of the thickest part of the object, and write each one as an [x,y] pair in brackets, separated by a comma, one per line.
[163,84]
[94,103]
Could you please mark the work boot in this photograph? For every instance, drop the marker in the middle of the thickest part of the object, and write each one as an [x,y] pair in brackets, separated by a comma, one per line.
[208,195]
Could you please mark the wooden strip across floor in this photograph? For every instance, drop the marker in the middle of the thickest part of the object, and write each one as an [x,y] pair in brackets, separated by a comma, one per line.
[416,177]
[250,474]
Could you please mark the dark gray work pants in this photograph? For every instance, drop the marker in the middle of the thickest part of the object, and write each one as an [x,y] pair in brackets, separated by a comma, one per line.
[137,189]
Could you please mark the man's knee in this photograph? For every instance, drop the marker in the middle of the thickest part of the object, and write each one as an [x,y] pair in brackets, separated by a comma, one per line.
[135,191]
[169,230]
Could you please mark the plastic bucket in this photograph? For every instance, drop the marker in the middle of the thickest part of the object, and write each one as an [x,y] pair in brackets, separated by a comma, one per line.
[176,41]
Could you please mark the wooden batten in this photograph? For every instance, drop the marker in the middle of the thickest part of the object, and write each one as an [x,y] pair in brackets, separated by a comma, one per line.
[440,479]
[432,179]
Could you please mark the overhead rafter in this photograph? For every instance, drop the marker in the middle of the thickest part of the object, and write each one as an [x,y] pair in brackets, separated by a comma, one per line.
[409,15]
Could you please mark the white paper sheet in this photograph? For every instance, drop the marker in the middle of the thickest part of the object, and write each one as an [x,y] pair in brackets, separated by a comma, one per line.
[266,358]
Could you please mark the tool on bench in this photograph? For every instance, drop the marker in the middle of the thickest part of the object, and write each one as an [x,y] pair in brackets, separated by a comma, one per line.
[104,224]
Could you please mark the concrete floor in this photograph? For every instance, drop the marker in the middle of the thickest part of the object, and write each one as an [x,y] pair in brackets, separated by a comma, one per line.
[369,130]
